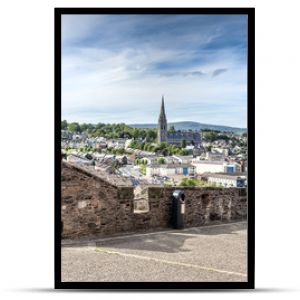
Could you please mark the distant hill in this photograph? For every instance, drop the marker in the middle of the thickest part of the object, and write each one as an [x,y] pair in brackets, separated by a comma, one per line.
[186,125]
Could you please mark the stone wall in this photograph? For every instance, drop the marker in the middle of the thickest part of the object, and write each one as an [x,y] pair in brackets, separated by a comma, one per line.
[203,205]
[90,206]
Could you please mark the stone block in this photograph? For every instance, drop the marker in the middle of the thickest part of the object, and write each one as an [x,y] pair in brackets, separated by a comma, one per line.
[82,204]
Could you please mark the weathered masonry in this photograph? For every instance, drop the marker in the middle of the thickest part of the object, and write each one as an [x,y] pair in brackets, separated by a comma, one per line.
[92,205]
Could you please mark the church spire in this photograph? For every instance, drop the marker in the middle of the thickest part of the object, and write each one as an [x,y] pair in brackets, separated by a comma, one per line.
[162,108]
[162,123]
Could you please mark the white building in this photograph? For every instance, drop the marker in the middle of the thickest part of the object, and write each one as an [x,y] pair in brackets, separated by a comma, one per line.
[170,170]
[214,156]
[226,180]
[116,143]
[214,166]
[183,159]
[205,166]
[127,143]
[224,151]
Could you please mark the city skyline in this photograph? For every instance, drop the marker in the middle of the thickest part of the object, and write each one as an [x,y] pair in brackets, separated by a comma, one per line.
[116,68]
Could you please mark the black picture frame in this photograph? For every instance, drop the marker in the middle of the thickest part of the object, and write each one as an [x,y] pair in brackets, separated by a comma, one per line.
[152,286]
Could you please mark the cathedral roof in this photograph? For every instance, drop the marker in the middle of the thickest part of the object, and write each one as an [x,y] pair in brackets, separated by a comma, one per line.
[183,135]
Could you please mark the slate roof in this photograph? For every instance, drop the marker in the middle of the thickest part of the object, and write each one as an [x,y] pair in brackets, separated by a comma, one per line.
[209,162]
[170,166]
[224,175]
[184,135]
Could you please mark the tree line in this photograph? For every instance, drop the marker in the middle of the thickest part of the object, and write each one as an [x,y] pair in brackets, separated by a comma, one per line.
[121,130]
[111,131]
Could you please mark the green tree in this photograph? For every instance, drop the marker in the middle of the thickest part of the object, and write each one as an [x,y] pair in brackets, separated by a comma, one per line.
[172,129]
[133,144]
[184,152]
[99,126]
[165,152]
[64,125]
[150,135]
[162,145]
[74,127]
[143,169]
[183,143]
[212,135]
[151,148]
[135,133]
[84,127]
[121,151]
[161,161]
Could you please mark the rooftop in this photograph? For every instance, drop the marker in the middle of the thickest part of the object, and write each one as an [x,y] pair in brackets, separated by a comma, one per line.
[170,166]
[225,175]
[184,134]
[184,157]
[208,162]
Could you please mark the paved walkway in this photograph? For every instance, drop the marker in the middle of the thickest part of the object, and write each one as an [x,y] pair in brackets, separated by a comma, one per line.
[210,253]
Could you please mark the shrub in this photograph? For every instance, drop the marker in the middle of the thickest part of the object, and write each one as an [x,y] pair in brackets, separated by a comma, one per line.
[161,161]
[189,182]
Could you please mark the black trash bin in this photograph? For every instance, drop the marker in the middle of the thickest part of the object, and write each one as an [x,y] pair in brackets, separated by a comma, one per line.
[178,209]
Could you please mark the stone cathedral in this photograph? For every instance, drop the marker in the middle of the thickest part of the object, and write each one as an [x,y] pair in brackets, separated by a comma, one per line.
[176,137]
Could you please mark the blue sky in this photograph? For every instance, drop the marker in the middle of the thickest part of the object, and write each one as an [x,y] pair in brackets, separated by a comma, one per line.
[116,68]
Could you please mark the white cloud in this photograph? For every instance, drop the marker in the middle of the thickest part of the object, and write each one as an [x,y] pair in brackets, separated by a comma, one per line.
[110,84]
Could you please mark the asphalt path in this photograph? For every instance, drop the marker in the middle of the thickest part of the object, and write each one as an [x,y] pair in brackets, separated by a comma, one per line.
[210,253]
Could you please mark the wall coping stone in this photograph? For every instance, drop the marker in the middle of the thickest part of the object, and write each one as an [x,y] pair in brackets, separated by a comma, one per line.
[90,173]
